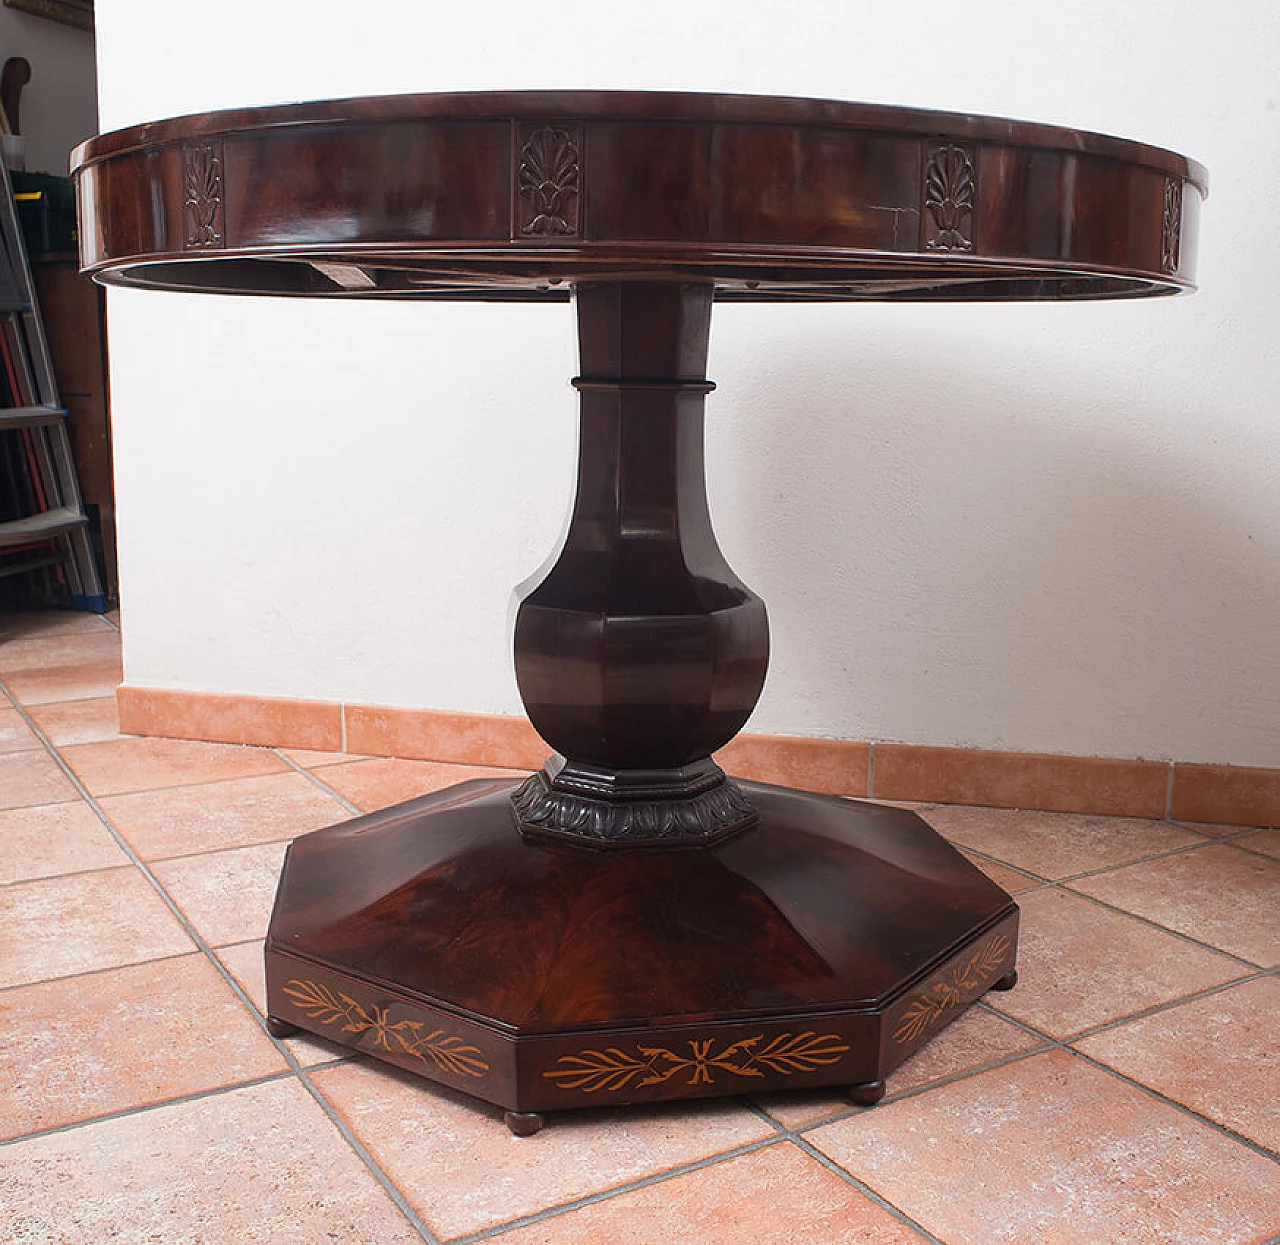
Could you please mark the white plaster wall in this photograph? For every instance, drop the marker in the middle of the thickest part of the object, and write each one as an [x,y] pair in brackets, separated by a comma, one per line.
[1031,527]
[59,105]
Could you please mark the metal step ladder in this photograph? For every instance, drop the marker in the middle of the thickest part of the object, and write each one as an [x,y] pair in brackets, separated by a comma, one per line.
[58,534]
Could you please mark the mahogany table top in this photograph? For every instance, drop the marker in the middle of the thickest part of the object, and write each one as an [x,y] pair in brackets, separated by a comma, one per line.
[521,194]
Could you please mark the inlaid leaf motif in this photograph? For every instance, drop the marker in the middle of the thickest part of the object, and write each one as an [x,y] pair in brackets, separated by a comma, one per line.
[326,1006]
[613,1068]
[592,1070]
[801,1053]
[962,982]
[443,1051]
[447,1051]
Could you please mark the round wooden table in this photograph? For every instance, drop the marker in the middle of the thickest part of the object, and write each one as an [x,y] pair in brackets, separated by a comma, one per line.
[628,924]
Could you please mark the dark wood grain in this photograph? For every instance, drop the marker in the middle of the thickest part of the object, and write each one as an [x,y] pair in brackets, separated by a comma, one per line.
[766,198]
[627,925]
[640,652]
[852,926]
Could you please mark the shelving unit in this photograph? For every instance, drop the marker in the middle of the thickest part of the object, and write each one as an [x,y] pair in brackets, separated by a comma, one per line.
[43,525]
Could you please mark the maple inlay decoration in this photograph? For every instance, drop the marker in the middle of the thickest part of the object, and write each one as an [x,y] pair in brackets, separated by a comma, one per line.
[446,1052]
[962,984]
[613,1068]
[629,924]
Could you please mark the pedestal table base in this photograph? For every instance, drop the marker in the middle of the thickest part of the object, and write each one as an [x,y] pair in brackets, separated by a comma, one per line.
[821,947]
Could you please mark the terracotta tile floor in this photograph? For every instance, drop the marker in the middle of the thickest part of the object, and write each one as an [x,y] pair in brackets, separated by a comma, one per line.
[1127,1091]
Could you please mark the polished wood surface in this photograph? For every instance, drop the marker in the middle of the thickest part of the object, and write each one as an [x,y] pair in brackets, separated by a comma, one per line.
[823,947]
[640,652]
[516,195]
[628,925]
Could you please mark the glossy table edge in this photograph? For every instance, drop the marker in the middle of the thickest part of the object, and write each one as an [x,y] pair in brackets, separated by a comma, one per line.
[501,196]
[641,106]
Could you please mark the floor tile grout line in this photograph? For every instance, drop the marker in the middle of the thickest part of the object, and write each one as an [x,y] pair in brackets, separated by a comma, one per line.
[605,1195]
[1181,1107]
[1254,974]
[1064,1044]
[1157,1009]
[62,873]
[807,1147]
[202,946]
[371,1164]
[172,786]
[218,851]
[98,972]
[995,860]
[294,1072]
[145,1108]
[319,782]
[866,1190]
[149,860]
[1205,841]
[1050,1044]
[1167,929]
[1183,850]
[1046,1044]
[916,1091]
[1063,883]
[291,1060]
[1235,831]
[1261,855]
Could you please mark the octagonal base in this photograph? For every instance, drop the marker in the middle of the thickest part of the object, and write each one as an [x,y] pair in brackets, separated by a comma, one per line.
[822,947]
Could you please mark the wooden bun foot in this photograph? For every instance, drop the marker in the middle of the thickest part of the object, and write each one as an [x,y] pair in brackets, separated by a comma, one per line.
[867,1094]
[524,1123]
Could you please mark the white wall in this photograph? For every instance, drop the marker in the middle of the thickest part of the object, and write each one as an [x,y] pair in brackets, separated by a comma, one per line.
[58,107]
[1031,527]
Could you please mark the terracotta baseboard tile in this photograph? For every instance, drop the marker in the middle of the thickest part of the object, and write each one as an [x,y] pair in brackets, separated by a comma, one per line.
[1107,786]
[1234,795]
[1054,784]
[833,766]
[227,718]
[437,735]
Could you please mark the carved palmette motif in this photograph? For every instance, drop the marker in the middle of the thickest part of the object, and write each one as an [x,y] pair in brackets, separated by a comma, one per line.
[1171,233]
[549,183]
[202,190]
[949,184]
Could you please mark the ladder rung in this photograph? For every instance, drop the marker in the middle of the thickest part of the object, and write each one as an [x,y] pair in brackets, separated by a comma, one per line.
[49,523]
[30,416]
